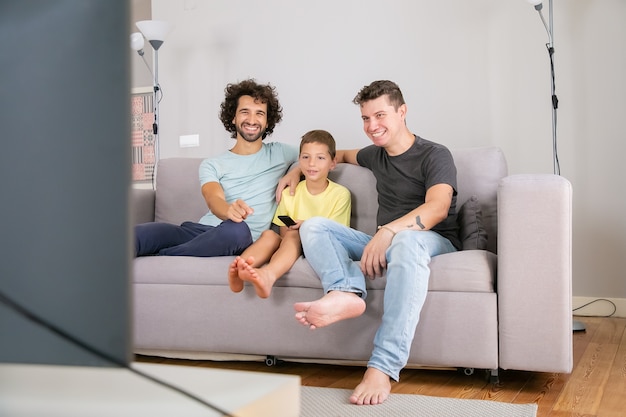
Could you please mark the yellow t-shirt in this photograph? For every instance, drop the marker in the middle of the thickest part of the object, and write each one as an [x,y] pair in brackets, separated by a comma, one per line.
[334,203]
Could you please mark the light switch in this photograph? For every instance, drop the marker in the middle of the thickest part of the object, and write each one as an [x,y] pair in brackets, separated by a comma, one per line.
[189,141]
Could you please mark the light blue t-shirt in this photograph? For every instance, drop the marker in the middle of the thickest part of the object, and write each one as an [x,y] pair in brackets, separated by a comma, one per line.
[252,178]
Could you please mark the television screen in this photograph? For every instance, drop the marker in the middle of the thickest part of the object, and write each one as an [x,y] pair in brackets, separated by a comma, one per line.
[64,182]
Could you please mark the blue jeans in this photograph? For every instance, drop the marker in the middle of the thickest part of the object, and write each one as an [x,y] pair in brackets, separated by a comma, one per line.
[192,239]
[331,250]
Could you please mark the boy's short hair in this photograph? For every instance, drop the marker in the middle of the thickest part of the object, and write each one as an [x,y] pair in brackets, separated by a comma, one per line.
[320,136]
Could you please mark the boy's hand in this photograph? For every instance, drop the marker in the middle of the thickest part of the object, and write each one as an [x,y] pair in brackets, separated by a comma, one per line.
[238,211]
[295,226]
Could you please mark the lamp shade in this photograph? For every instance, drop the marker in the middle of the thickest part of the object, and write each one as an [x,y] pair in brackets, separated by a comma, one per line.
[155,31]
[136,41]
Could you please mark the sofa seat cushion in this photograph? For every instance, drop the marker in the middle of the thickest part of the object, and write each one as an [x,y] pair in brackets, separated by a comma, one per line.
[463,271]
[181,270]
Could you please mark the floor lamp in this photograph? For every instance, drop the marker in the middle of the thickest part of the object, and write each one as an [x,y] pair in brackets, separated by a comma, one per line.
[577,325]
[155,32]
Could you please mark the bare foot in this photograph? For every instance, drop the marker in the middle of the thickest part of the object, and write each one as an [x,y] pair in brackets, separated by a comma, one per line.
[374,388]
[331,308]
[262,278]
[234,282]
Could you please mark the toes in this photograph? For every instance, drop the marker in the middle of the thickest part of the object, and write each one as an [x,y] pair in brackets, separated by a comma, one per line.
[301,317]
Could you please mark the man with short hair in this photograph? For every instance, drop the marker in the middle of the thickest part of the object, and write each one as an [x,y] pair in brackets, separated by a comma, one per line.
[416,185]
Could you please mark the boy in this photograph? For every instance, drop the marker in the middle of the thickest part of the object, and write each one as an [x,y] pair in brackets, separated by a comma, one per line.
[315,196]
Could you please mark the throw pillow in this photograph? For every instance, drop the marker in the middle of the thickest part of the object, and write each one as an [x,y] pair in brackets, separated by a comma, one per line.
[472,233]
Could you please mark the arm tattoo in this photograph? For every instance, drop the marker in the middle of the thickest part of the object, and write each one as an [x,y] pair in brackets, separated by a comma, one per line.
[418,221]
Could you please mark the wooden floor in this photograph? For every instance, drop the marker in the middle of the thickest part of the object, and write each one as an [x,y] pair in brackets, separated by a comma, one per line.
[595,388]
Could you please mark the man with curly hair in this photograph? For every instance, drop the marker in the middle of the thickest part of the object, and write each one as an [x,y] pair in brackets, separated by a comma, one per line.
[239,186]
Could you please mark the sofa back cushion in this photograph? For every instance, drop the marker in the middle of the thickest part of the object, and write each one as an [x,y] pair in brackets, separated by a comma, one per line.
[362,185]
[479,170]
[179,199]
[178,195]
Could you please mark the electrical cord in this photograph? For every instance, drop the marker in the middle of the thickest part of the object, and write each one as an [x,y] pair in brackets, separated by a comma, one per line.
[152,176]
[158,96]
[24,312]
[555,106]
[595,301]
[160,93]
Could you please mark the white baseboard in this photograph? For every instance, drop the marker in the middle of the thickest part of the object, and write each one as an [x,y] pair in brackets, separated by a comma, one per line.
[598,307]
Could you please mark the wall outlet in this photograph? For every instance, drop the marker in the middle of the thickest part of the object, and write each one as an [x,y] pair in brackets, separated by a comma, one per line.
[189,141]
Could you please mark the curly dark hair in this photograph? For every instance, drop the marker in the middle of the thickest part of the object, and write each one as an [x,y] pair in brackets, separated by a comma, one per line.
[380,88]
[263,93]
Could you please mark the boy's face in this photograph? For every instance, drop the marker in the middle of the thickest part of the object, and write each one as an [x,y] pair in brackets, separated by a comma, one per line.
[315,161]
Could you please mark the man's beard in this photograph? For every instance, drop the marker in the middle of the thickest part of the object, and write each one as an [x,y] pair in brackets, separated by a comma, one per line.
[248,137]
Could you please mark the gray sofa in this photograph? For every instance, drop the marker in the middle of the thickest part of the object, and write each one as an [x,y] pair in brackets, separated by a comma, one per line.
[483,311]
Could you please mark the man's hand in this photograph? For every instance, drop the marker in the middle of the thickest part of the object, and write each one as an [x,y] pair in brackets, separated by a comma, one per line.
[291,180]
[238,211]
[374,260]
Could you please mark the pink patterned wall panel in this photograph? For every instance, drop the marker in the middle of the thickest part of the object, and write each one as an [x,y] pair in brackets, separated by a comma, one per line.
[142,138]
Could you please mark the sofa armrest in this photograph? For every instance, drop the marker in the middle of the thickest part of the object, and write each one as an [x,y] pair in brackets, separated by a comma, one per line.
[534,280]
[142,205]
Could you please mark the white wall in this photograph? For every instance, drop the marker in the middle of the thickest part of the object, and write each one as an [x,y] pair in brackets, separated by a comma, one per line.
[140,76]
[473,73]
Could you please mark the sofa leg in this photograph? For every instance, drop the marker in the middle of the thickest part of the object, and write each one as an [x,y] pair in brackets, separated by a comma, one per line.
[271,360]
[493,376]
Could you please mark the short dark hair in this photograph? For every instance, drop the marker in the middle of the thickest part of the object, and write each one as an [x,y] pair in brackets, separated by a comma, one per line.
[378,89]
[320,136]
[263,93]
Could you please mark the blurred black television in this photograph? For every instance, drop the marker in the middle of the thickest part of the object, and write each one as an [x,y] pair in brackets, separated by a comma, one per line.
[64,181]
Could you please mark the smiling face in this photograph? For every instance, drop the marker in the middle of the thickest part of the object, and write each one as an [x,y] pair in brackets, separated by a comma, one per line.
[250,118]
[316,161]
[382,123]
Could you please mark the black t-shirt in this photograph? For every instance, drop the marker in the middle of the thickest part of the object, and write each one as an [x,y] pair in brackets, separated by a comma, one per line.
[402,181]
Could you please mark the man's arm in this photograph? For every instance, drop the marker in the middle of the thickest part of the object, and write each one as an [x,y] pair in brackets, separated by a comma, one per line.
[291,180]
[347,156]
[425,217]
[215,198]
[428,215]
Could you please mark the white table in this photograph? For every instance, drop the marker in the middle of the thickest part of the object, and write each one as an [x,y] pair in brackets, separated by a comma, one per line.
[67,391]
